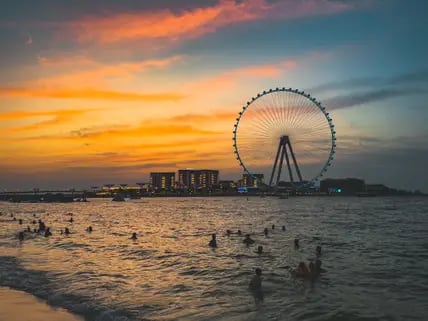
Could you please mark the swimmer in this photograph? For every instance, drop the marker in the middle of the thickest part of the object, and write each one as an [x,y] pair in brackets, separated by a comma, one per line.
[14,218]
[266,231]
[71,220]
[248,240]
[296,243]
[42,226]
[256,281]
[28,229]
[239,232]
[273,226]
[259,249]
[312,268]
[283,227]
[228,232]
[318,250]
[318,268]
[48,232]
[134,236]
[34,230]
[21,236]
[66,231]
[213,242]
[89,229]
[302,270]
[20,221]
[34,222]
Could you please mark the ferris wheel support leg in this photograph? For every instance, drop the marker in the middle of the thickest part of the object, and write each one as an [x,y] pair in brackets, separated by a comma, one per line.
[287,159]
[274,165]
[281,162]
[295,162]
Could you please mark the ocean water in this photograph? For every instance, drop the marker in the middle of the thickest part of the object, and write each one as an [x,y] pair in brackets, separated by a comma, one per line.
[374,253]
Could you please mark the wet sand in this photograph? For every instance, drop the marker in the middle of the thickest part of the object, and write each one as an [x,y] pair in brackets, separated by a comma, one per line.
[21,306]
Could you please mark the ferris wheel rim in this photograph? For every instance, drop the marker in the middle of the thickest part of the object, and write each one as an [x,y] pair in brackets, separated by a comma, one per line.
[322,108]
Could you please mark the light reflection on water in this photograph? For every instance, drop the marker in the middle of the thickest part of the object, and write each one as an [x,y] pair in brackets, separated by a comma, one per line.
[374,253]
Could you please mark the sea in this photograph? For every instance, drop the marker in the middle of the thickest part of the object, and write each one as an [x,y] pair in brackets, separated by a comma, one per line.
[374,258]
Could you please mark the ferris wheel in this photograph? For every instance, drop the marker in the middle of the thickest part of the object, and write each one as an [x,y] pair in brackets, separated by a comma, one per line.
[284,127]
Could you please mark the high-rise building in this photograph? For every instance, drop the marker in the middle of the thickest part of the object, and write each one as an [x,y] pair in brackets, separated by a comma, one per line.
[197,178]
[253,180]
[162,180]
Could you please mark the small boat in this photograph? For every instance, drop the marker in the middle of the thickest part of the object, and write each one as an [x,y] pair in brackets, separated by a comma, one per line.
[118,198]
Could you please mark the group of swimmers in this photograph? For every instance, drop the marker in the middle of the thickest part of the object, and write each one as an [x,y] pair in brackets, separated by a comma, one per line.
[309,272]
[43,229]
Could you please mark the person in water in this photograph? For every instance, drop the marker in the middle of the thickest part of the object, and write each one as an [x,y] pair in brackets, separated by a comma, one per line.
[21,236]
[213,242]
[20,221]
[296,243]
[283,227]
[266,231]
[48,232]
[28,229]
[134,236]
[256,281]
[248,240]
[273,226]
[318,250]
[259,249]
[302,270]
[228,232]
[71,220]
[66,231]
[239,232]
[89,229]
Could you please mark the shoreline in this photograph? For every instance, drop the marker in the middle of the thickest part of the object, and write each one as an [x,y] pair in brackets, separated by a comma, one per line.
[21,306]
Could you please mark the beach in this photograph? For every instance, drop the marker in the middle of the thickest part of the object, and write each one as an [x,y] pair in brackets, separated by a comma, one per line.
[21,306]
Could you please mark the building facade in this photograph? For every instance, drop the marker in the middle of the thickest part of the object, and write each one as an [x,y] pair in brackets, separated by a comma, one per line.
[197,178]
[254,180]
[162,180]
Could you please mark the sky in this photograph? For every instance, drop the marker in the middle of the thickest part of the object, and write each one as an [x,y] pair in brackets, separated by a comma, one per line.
[104,91]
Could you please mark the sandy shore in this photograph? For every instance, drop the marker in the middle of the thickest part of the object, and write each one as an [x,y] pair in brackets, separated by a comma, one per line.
[21,306]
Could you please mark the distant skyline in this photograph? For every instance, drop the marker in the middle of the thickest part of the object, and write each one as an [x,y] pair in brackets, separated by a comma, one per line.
[94,92]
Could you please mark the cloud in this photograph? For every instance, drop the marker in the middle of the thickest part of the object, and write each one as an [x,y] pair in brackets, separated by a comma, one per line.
[29,40]
[56,117]
[165,24]
[86,93]
[361,98]
[418,77]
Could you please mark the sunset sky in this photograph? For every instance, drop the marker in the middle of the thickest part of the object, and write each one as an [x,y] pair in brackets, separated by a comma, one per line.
[105,91]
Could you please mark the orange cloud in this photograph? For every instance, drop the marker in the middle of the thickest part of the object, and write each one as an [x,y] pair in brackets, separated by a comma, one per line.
[165,24]
[86,93]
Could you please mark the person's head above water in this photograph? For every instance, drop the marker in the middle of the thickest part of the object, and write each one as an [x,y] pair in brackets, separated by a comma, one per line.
[260,249]
[134,235]
[318,250]
[213,236]
[258,271]
[239,232]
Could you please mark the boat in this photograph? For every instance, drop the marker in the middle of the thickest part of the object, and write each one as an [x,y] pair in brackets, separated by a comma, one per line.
[118,198]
